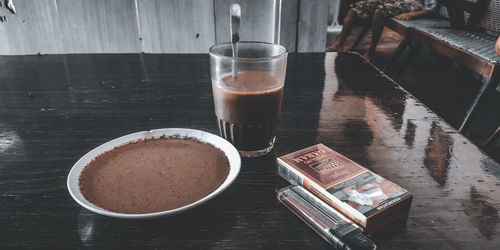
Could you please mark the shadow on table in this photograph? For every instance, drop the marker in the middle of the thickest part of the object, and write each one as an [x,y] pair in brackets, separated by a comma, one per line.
[201,228]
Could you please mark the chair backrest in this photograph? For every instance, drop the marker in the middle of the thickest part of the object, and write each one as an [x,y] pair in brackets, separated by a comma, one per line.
[465,14]
[490,21]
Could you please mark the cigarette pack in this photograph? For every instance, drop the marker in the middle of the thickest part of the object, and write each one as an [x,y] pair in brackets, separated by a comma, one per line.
[361,195]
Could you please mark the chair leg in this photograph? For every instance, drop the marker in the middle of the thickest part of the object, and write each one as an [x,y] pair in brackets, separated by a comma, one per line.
[488,85]
[360,37]
[414,48]
[399,50]
[491,138]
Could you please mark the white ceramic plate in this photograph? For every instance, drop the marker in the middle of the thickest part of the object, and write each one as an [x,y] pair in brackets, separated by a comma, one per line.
[230,151]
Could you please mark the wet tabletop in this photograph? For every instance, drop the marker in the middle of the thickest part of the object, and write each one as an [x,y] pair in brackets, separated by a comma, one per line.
[55,108]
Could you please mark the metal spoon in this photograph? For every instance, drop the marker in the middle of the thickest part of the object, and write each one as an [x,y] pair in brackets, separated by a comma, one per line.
[234,26]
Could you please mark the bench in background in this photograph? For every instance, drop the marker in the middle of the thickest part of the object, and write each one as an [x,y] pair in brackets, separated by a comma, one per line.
[470,41]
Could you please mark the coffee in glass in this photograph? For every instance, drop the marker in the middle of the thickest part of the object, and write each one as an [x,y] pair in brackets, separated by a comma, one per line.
[247,91]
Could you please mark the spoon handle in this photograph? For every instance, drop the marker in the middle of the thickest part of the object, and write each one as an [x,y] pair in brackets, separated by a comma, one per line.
[235,13]
[234,26]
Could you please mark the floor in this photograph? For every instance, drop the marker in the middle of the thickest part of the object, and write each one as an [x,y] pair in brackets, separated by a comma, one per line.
[445,87]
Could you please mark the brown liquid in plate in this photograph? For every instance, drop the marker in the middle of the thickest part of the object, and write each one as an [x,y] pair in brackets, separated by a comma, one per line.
[153,175]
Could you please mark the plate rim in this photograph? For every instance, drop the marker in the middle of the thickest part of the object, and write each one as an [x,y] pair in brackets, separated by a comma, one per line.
[229,150]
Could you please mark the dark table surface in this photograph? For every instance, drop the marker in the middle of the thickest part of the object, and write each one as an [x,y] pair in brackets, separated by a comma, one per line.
[54,109]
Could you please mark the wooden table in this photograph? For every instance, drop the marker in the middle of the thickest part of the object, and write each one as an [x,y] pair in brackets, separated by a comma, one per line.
[53,109]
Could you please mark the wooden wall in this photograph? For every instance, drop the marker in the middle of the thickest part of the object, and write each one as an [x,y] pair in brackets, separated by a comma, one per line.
[157,26]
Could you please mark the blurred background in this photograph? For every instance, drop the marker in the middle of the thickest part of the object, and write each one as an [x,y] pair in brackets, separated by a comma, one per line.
[38,27]
[158,26]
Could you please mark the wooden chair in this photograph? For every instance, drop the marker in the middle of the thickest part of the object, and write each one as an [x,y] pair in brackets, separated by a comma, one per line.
[470,42]
[402,26]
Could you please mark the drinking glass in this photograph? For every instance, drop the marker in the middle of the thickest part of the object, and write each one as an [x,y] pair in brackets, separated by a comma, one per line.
[247,93]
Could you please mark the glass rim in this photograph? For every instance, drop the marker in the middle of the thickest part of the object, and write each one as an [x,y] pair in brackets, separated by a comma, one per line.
[212,53]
